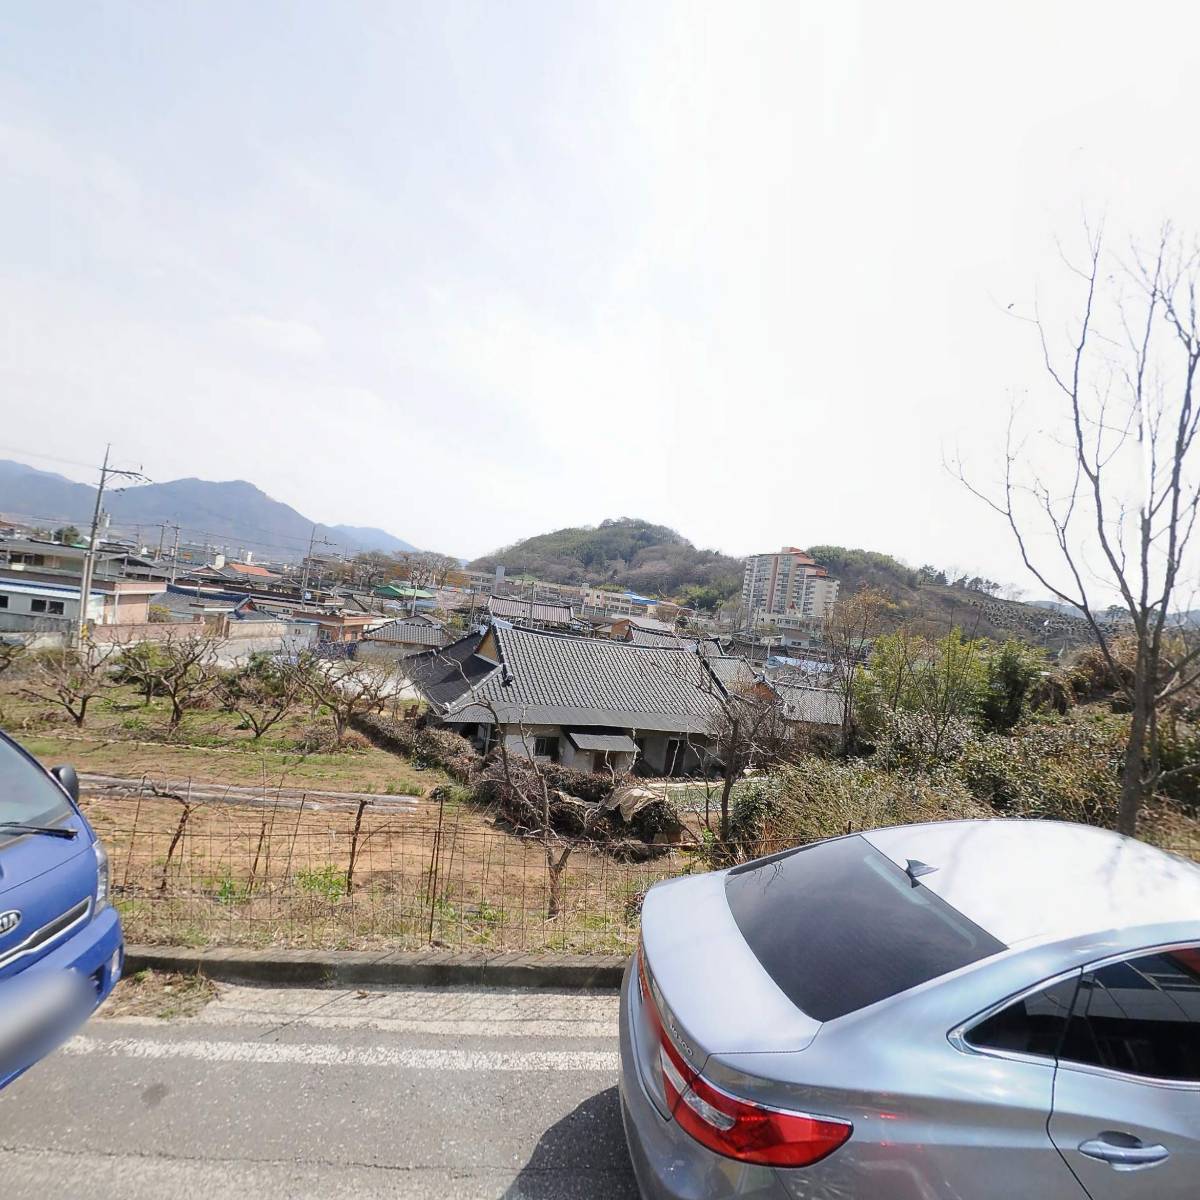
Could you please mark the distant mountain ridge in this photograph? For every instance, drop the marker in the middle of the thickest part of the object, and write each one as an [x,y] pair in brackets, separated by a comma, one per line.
[231,512]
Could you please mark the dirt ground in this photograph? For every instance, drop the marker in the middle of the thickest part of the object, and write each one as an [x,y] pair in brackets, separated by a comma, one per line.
[159,994]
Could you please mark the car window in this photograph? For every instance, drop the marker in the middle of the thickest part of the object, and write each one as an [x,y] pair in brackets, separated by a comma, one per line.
[1140,1016]
[26,795]
[837,925]
[1032,1025]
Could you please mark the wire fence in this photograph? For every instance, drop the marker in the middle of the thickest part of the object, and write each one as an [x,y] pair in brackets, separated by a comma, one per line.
[295,871]
[190,866]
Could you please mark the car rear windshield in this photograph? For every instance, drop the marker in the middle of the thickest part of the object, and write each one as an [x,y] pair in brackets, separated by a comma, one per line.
[26,795]
[838,926]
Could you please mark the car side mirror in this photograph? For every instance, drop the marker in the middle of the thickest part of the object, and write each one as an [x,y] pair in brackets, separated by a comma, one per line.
[67,776]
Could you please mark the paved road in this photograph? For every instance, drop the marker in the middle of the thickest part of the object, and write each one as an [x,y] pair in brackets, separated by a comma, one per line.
[271,1093]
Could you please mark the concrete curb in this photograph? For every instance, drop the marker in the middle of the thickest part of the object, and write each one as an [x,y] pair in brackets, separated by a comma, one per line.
[354,968]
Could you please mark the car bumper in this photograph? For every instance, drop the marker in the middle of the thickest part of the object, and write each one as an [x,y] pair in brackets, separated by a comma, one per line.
[668,1164]
[96,953]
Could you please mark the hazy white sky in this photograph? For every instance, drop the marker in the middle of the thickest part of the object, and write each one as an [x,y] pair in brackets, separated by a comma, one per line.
[471,272]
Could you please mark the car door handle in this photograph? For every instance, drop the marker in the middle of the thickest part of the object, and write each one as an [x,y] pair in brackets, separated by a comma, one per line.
[1123,1152]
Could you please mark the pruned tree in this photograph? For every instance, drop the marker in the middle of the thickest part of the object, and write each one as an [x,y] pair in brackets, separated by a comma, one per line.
[848,630]
[71,678]
[344,687]
[140,665]
[749,730]
[262,693]
[11,655]
[1102,505]
[188,672]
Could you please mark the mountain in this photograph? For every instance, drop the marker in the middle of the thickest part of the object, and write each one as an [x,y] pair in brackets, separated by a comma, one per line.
[43,494]
[370,538]
[231,513]
[625,552]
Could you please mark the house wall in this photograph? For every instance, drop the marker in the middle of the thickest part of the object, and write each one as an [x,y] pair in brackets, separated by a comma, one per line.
[568,756]
[124,609]
[17,608]
[656,747]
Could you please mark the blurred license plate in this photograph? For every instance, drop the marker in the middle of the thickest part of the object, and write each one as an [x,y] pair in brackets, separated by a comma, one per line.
[38,1010]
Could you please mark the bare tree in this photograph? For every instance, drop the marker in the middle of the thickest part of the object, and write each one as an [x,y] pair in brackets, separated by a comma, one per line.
[71,678]
[368,568]
[426,570]
[748,731]
[849,628]
[1116,489]
[262,693]
[345,687]
[188,671]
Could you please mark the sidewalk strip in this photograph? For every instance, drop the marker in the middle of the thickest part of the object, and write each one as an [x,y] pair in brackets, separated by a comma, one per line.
[328,1055]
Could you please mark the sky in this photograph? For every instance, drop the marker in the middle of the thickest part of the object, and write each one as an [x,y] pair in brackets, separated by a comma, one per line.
[470,272]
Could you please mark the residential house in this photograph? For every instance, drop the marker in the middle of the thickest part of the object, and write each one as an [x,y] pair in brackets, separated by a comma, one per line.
[531,614]
[32,604]
[339,627]
[401,639]
[589,703]
[819,708]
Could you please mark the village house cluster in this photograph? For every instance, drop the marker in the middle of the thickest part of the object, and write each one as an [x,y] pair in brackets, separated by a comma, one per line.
[590,678]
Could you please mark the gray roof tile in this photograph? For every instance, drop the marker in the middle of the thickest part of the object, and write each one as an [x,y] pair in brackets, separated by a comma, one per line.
[557,679]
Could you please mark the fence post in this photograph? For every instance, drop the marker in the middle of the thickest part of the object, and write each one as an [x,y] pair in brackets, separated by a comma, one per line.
[177,836]
[262,834]
[133,836]
[287,871]
[358,816]
[433,862]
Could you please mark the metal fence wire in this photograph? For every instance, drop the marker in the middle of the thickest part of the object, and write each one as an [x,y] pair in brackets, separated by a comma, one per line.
[383,872]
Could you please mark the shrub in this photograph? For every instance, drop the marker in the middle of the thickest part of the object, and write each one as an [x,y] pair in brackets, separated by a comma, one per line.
[318,738]
[328,881]
[424,747]
[1066,768]
[818,798]
[1012,673]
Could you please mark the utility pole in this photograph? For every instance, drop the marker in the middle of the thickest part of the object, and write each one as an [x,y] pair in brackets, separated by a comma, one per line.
[174,552]
[89,562]
[312,541]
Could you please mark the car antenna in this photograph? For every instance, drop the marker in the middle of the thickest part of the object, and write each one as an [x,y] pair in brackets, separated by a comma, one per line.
[915,869]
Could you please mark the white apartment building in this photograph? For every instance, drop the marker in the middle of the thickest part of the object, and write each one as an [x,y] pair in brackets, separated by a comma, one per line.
[788,584]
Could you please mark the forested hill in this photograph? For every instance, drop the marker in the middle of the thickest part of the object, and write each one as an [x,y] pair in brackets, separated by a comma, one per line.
[658,561]
[927,597]
[624,552]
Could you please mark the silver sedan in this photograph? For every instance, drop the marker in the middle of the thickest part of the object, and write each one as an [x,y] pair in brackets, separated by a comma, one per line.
[976,1010]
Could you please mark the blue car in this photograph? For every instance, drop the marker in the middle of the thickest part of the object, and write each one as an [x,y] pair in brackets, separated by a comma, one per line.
[61,948]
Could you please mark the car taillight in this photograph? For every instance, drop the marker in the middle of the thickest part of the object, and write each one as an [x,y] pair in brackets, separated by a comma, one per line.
[728,1125]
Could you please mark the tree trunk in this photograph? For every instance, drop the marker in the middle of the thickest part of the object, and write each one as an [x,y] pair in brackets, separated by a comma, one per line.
[1133,772]
[726,790]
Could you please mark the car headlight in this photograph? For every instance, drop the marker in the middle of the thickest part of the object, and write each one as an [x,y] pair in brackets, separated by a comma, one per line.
[101,875]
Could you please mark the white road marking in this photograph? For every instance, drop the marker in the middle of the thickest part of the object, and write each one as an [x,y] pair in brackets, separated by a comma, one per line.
[440,1012]
[318,1054]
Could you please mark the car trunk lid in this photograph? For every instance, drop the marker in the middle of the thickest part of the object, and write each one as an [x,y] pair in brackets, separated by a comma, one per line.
[713,995]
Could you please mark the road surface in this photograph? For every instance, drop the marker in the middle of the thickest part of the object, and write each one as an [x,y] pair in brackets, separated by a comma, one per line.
[271,1093]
